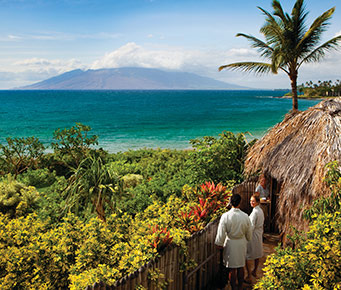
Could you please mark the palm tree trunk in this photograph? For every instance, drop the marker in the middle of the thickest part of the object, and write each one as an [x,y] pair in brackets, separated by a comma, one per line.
[99,207]
[293,79]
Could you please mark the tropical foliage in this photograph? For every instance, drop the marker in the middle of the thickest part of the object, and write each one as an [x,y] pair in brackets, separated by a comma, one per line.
[288,43]
[19,154]
[218,159]
[80,215]
[73,144]
[75,254]
[16,199]
[321,89]
[315,262]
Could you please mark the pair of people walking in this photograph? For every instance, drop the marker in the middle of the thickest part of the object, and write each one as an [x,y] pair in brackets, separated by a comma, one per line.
[241,238]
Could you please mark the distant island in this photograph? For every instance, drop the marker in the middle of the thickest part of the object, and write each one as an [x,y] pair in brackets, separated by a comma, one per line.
[129,78]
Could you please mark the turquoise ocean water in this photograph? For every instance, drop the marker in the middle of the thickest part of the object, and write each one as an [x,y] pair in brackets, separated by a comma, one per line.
[135,119]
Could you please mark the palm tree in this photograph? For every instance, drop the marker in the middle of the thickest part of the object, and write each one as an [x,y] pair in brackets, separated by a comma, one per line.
[288,44]
[93,186]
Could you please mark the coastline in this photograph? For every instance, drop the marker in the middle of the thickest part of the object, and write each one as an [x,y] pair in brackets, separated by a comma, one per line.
[302,97]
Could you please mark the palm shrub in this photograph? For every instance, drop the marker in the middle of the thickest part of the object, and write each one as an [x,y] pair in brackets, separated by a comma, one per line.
[92,187]
[288,43]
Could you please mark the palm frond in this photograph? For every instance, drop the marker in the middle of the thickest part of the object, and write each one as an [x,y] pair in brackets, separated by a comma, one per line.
[256,67]
[298,16]
[318,53]
[261,46]
[278,61]
[278,11]
[314,33]
[272,29]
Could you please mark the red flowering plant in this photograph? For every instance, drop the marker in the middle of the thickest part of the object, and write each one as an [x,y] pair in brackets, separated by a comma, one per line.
[216,195]
[204,209]
[211,202]
[189,221]
[161,238]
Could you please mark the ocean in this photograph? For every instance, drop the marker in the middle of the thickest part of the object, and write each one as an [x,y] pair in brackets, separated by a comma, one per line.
[126,120]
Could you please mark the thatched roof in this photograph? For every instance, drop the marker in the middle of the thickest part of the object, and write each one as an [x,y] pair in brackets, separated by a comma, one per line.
[295,153]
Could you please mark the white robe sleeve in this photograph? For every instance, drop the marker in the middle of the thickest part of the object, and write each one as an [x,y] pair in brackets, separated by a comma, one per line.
[248,235]
[222,231]
[253,219]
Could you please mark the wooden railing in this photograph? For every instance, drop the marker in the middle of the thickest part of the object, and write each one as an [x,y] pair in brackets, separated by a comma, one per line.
[201,249]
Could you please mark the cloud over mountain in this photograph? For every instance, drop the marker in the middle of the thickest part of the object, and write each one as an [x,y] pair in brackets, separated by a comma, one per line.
[129,78]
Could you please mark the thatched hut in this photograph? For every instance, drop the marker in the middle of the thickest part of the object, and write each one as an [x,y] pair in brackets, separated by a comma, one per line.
[293,154]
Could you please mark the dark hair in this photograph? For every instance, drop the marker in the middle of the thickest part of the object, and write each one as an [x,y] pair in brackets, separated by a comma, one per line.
[235,199]
[256,197]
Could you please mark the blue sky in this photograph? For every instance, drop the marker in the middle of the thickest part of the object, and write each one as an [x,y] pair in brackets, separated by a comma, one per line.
[43,38]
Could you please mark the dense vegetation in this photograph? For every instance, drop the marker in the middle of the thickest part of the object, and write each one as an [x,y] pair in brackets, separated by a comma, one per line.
[321,89]
[315,261]
[80,215]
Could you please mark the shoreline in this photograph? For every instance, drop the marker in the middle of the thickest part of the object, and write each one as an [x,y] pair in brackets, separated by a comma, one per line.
[308,98]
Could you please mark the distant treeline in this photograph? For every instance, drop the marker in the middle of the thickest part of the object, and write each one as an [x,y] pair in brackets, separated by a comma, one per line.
[321,89]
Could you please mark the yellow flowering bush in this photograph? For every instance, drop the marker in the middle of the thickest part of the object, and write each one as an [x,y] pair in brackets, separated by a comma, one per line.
[73,253]
[17,199]
[315,263]
[34,256]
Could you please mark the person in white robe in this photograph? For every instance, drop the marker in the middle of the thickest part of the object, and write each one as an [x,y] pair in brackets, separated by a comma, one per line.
[234,231]
[255,246]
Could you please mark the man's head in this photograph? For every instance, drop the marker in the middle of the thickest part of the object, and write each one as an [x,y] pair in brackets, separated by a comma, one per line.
[235,200]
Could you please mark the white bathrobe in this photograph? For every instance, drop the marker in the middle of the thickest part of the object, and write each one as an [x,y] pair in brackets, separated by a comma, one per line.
[234,230]
[255,246]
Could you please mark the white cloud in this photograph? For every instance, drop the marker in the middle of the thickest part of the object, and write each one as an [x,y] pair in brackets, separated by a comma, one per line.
[132,54]
[41,65]
[10,37]
[13,37]
[237,52]
[172,58]
[202,62]
[57,36]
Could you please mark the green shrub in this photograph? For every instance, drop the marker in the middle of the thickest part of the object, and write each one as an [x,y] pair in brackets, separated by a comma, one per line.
[314,264]
[52,204]
[20,154]
[38,178]
[218,159]
[73,145]
[16,199]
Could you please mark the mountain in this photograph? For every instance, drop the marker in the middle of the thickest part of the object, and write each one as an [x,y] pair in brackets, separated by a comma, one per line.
[128,78]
